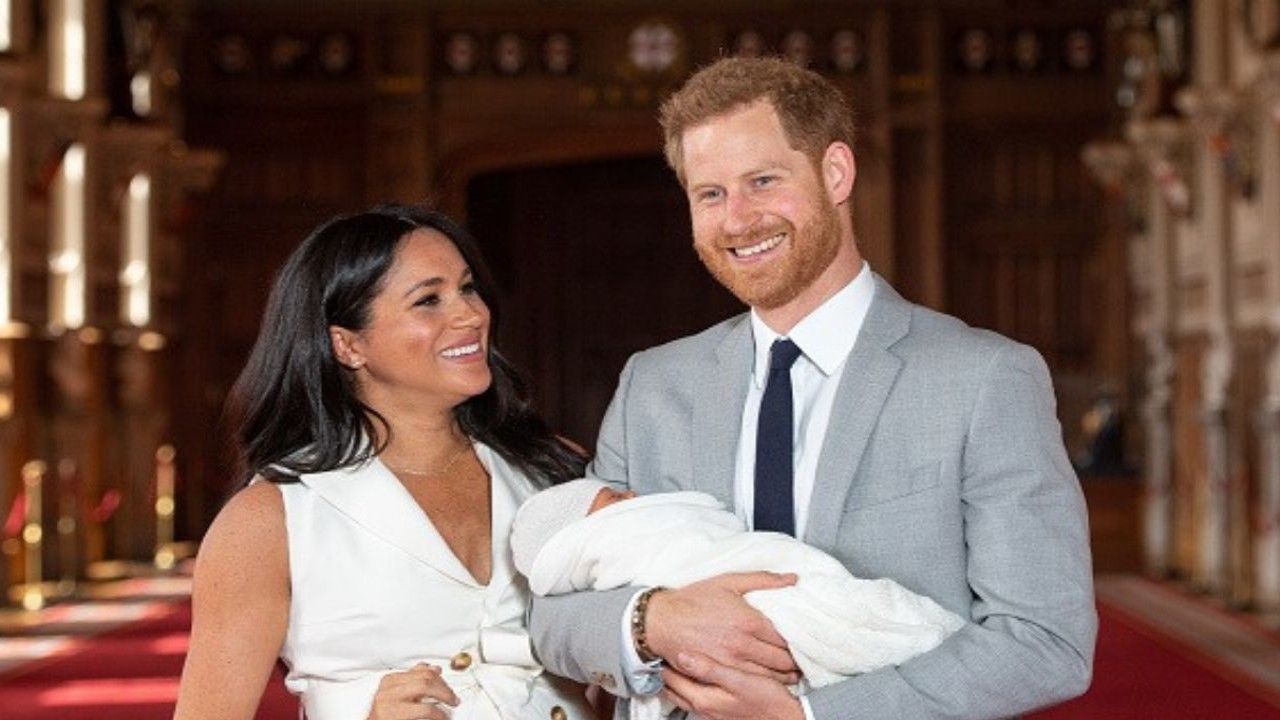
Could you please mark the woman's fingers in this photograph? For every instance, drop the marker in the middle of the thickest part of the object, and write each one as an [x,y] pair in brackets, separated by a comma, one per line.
[413,694]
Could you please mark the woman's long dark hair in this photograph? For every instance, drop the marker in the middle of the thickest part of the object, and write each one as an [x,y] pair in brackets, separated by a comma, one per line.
[294,407]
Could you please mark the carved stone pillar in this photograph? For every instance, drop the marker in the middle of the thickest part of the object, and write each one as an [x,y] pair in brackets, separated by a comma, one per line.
[1203,271]
[1266,549]
[1161,145]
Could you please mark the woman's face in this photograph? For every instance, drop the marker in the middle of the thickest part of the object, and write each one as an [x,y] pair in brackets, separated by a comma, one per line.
[427,341]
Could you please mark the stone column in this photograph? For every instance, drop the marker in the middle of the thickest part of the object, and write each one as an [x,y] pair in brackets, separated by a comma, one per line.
[1267,535]
[1211,107]
[1160,143]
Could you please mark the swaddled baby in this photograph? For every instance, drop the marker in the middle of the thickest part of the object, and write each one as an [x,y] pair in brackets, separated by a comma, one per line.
[585,535]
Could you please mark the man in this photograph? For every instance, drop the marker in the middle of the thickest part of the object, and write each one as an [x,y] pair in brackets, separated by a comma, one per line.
[919,449]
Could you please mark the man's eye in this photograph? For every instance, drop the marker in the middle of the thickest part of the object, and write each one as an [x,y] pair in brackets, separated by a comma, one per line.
[709,195]
[764,180]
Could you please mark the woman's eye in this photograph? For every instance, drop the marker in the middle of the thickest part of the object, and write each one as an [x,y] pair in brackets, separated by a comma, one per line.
[427,300]
[469,288]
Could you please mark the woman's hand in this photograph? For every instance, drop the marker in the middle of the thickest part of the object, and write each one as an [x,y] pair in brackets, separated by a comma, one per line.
[413,695]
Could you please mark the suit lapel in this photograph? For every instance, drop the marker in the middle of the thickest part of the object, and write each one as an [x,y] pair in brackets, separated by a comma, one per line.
[371,496]
[868,377]
[717,413]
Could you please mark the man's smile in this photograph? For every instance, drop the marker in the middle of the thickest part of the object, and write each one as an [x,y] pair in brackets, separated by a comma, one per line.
[765,245]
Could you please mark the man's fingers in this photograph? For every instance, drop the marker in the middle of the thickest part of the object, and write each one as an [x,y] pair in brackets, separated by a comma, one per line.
[677,688]
[772,653]
[743,583]
[676,699]
[786,677]
[701,669]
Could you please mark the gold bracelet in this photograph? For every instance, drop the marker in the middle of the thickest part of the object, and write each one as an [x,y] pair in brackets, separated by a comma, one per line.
[639,616]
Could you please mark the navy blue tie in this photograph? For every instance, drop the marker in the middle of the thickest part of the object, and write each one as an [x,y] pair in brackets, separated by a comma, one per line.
[774,504]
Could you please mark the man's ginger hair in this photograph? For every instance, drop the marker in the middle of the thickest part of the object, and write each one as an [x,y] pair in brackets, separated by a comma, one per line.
[814,113]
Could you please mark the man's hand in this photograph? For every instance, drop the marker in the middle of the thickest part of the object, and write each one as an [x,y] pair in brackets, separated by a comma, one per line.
[711,619]
[700,686]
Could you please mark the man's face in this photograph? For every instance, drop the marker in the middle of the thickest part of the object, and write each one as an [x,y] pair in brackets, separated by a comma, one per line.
[763,223]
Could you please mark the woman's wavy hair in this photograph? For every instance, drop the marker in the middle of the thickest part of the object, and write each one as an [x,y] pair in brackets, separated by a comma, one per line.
[294,408]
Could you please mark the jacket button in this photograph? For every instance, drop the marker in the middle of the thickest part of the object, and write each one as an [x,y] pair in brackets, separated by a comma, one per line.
[461,661]
[558,713]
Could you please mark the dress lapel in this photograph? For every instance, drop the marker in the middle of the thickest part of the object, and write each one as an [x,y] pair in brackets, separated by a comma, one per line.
[371,496]
[508,488]
[717,413]
[868,377]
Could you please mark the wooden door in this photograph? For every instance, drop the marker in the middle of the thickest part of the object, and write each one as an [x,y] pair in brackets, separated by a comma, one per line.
[596,262]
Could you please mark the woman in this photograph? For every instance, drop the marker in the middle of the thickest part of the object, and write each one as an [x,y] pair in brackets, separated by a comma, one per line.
[386,446]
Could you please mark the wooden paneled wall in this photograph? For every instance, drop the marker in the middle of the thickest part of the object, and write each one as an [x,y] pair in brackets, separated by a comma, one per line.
[535,121]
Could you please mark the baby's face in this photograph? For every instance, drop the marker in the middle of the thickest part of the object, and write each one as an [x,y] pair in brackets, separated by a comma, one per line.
[609,496]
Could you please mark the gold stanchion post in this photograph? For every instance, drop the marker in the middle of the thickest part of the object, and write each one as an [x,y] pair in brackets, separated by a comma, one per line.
[165,481]
[32,594]
[68,527]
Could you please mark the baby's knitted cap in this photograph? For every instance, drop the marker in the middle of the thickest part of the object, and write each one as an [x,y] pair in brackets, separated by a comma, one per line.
[546,513]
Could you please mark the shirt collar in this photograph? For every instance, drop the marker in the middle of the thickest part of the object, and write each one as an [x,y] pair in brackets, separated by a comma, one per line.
[826,335]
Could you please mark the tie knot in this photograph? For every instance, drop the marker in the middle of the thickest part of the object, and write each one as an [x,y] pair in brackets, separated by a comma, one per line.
[782,355]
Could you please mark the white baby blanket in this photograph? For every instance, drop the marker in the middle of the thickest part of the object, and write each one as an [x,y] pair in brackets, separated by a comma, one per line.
[835,624]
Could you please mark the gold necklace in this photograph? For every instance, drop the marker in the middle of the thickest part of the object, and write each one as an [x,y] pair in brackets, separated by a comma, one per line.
[430,473]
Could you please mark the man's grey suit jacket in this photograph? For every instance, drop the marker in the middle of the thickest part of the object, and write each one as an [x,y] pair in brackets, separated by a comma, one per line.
[943,468]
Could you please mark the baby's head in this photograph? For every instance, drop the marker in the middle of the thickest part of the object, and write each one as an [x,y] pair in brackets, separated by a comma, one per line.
[608,496]
[546,513]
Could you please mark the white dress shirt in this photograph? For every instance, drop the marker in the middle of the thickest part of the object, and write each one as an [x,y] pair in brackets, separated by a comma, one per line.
[825,337]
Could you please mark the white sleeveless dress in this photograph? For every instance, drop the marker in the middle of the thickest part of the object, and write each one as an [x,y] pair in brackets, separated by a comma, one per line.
[375,589]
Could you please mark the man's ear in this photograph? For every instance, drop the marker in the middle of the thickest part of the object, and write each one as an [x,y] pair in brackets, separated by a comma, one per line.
[839,171]
[346,347]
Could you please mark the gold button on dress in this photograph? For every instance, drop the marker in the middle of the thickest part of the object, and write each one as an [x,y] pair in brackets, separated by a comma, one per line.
[461,661]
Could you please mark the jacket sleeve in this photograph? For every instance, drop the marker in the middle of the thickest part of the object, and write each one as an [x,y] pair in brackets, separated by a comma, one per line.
[1033,624]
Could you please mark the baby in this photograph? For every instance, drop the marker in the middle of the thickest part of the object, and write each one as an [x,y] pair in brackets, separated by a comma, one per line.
[585,535]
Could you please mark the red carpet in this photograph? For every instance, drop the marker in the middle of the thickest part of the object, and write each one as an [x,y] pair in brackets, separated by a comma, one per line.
[132,673]
[1139,674]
